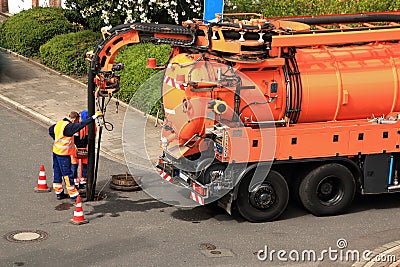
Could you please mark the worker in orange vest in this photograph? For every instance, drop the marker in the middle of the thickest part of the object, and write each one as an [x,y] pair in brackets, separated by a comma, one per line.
[81,142]
[63,134]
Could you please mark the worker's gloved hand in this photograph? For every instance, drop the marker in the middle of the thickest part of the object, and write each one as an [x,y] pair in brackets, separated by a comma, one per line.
[97,114]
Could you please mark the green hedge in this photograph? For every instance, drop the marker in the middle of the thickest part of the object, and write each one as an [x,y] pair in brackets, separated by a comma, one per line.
[67,52]
[279,8]
[135,74]
[320,7]
[26,31]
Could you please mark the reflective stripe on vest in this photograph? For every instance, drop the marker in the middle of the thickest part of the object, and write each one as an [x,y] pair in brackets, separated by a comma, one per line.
[63,145]
[83,132]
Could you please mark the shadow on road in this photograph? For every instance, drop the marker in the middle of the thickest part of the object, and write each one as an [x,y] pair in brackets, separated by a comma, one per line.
[11,71]
[114,204]
[366,202]
[201,213]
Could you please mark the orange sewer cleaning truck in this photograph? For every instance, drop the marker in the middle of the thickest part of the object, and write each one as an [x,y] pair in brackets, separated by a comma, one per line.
[257,109]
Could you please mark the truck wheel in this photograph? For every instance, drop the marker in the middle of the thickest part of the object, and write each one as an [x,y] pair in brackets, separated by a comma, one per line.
[266,202]
[327,190]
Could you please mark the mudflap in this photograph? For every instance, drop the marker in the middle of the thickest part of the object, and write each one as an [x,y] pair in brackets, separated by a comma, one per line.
[226,202]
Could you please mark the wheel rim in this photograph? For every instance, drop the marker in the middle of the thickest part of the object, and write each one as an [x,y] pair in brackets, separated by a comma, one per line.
[263,196]
[330,191]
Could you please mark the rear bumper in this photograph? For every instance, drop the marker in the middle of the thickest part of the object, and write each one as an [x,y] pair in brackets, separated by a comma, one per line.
[196,191]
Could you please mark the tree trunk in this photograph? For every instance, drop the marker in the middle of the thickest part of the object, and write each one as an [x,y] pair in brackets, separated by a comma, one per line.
[35,3]
[4,6]
[55,3]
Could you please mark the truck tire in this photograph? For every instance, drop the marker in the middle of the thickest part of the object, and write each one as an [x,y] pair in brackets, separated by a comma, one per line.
[327,190]
[266,202]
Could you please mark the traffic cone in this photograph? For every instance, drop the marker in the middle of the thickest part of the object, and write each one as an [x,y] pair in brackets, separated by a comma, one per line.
[78,213]
[42,184]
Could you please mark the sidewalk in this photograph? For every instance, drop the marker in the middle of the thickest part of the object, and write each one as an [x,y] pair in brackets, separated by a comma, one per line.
[48,96]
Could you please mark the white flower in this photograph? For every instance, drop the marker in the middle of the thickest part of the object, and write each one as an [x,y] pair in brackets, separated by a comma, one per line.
[143,8]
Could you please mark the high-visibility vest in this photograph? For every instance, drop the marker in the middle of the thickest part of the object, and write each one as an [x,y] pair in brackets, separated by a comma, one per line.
[63,145]
[83,132]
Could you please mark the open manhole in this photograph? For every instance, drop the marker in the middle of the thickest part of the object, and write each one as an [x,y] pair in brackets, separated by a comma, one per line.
[125,182]
[26,236]
[100,196]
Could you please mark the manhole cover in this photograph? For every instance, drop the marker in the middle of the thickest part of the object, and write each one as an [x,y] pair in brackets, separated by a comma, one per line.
[125,182]
[26,236]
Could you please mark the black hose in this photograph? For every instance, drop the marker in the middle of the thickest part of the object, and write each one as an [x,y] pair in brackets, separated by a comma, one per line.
[97,162]
[97,154]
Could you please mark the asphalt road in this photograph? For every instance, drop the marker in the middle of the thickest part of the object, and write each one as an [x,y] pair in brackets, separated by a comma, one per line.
[132,229]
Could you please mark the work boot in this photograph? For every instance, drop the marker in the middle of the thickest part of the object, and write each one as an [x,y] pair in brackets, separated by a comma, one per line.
[61,196]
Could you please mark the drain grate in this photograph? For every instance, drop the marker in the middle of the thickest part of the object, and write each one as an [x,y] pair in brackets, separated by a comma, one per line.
[26,236]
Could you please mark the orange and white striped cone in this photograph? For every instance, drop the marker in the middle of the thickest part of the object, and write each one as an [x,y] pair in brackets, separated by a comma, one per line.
[78,213]
[42,184]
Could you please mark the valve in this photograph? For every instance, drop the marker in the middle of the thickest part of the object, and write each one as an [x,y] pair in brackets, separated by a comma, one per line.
[118,66]
[218,106]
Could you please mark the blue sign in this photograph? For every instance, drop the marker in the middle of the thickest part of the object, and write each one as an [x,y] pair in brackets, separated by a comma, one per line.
[212,7]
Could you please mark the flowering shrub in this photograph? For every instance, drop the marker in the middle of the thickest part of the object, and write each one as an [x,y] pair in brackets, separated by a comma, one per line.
[125,11]
[135,72]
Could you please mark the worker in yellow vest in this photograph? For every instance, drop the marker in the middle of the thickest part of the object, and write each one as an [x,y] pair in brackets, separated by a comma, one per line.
[63,134]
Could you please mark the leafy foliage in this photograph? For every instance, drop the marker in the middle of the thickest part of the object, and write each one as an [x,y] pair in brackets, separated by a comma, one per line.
[26,31]
[279,8]
[67,52]
[135,74]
